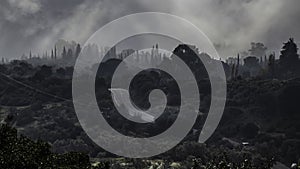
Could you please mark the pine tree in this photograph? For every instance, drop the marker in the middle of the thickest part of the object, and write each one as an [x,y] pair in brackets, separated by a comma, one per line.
[52,54]
[289,56]
[64,53]
[69,54]
[78,50]
[271,65]
[55,53]
[265,61]
[30,55]
[237,66]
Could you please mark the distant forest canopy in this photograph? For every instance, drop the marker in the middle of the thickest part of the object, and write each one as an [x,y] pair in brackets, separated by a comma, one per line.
[253,63]
[256,63]
[260,110]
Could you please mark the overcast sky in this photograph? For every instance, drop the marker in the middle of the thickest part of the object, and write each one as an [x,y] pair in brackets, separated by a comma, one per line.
[231,24]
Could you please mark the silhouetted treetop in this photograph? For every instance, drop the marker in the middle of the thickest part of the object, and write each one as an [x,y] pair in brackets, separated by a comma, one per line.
[289,59]
[289,50]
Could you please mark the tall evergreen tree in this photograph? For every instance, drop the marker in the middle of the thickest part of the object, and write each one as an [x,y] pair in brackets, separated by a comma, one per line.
[30,55]
[69,54]
[78,50]
[64,53]
[271,65]
[55,53]
[265,61]
[52,54]
[237,66]
[289,56]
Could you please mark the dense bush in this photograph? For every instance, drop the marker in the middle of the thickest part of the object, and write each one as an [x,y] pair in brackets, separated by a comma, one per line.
[21,152]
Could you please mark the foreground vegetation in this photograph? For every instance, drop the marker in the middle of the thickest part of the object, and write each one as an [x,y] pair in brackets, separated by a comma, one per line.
[21,152]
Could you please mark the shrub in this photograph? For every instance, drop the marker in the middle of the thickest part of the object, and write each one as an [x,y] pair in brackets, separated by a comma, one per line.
[21,152]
